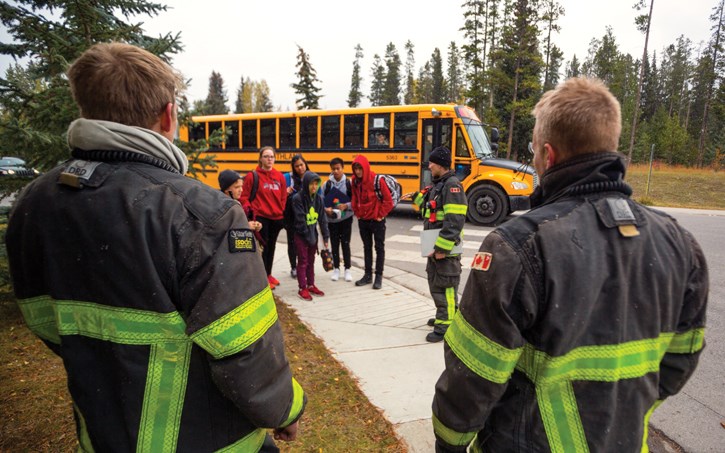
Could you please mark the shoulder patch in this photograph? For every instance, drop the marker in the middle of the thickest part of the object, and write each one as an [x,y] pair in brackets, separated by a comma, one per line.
[241,240]
[455,190]
[482,261]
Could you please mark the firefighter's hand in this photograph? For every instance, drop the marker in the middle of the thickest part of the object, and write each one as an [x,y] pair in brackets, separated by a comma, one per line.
[287,434]
[438,255]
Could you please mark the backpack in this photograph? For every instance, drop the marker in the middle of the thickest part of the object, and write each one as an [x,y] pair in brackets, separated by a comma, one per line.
[255,186]
[393,186]
[328,187]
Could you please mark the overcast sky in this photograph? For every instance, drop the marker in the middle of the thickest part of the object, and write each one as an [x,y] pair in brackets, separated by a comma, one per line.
[258,39]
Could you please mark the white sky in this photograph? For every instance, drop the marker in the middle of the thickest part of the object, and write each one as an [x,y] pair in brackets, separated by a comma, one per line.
[258,39]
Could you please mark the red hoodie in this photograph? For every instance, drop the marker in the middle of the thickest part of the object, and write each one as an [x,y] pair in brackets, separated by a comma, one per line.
[365,203]
[271,194]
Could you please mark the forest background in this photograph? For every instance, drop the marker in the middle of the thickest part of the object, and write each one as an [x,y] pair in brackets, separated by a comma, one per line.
[672,98]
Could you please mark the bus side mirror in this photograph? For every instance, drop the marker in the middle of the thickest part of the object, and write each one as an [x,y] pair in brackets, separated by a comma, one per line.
[494,135]
[494,147]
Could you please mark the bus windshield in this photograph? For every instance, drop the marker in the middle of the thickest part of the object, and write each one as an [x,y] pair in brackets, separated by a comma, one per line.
[479,140]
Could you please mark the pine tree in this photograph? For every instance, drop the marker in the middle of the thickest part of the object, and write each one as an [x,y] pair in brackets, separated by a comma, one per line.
[306,87]
[712,73]
[474,53]
[573,69]
[409,76]
[239,103]
[355,95]
[551,13]
[424,85]
[438,95]
[454,75]
[35,97]
[216,98]
[391,90]
[643,24]
[377,86]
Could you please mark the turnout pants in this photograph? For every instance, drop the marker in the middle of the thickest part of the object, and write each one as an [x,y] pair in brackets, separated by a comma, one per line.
[443,279]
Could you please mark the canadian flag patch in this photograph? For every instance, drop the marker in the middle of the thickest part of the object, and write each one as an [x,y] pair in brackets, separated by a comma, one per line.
[482,261]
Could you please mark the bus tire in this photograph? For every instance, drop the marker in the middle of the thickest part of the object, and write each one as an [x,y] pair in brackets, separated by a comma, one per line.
[487,205]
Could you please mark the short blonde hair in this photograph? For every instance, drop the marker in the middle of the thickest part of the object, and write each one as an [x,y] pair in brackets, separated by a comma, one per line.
[577,117]
[122,83]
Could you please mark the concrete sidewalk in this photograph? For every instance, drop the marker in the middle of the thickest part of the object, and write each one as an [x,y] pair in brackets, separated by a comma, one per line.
[379,336]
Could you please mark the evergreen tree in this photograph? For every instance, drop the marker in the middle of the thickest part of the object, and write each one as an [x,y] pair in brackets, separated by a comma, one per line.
[239,103]
[35,98]
[556,58]
[643,24]
[551,13]
[519,72]
[438,95]
[712,73]
[377,87]
[424,85]
[306,86]
[355,95]
[391,90]
[573,70]
[474,51]
[216,99]
[409,76]
[454,75]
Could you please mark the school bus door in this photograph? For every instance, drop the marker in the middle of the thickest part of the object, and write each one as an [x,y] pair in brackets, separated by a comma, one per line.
[436,132]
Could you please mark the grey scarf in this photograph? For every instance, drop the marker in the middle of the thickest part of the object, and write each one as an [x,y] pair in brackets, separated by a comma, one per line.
[107,135]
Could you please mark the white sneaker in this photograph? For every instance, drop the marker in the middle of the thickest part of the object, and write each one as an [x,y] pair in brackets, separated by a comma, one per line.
[335,275]
[348,275]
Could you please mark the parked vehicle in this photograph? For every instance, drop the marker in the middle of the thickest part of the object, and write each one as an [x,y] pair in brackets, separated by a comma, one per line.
[14,167]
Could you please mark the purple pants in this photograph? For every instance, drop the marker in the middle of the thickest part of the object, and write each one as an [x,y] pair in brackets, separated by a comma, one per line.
[305,262]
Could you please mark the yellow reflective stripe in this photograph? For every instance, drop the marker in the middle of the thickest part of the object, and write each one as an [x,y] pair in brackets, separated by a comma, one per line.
[647,416]
[298,398]
[240,327]
[451,302]
[418,200]
[605,363]
[687,342]
[169,355]
[451,208]
[449,436]
[560,416]
[444,243]
[252,442]
[481,355]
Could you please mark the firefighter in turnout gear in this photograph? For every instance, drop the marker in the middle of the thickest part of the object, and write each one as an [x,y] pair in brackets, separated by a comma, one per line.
[580,316]
[443,207]
[147,282]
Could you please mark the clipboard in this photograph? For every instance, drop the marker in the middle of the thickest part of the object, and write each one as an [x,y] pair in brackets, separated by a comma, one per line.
[335,194]
[427,243]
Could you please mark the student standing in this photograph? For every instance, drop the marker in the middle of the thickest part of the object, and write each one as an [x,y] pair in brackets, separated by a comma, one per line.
[339,218]
[309,213]
[371,211]
[294,184]
[266,193]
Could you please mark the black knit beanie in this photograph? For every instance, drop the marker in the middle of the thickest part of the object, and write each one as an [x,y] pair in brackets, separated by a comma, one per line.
[441,156]
[227,178]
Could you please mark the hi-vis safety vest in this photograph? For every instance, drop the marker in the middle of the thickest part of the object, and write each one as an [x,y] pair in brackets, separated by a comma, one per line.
[167,328]
[578,319]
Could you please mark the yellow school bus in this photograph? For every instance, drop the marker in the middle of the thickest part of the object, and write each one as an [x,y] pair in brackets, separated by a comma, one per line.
[397,140]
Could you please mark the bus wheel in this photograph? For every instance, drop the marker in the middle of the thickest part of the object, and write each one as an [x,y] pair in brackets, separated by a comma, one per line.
[487,205]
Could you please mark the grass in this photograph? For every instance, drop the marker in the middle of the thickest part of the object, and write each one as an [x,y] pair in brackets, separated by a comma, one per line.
[37,413]
[678,186]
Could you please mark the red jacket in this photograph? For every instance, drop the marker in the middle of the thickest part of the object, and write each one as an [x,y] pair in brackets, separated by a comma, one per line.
[271,194]
[365,203]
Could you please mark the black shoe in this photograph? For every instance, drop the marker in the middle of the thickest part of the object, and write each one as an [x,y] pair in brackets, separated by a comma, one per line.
[434,337]
[378,282]
[431,322]
[365,280]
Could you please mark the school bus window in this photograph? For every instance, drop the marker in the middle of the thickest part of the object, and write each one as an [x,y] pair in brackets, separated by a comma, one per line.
[446,136]
[308,132]
[354,130]
[213,127]
[406,129]
[378,131]
[197,131]
[249,134]
[287,133]
[267,133]
[232,129]
[461,146]
[330,131]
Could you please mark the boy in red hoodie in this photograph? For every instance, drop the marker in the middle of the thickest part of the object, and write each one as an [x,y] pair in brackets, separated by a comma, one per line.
[370,211]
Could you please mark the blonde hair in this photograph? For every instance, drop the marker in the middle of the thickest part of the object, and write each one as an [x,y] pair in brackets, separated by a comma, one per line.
[122,83]
[577,117]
